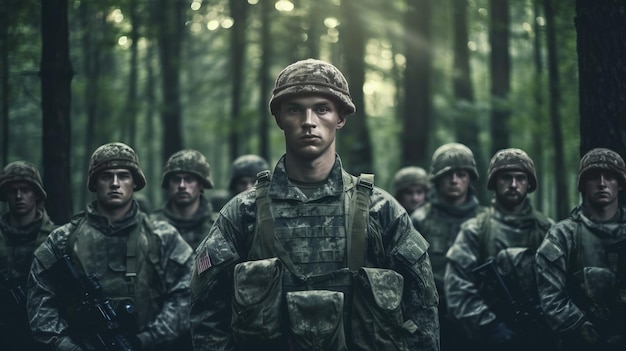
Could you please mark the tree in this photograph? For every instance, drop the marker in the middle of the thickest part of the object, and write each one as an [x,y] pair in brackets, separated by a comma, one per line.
[500,68]
[239,13]
[56,77]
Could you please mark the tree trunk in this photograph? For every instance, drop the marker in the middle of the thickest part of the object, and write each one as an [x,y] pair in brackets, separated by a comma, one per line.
[601,29]
[562,201]
[56,77]
[239,12]
[417,84]
[265,82]
[536,151]
[170,35]
[500,74]
[131,103]
[4,52]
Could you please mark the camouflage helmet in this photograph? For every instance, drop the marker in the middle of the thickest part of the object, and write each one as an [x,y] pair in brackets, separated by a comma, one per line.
[190,161]
[115,155]
[247,166]
[452,156]
[601,158]
[407,176]
[21,171]
[511,160]
[312,76]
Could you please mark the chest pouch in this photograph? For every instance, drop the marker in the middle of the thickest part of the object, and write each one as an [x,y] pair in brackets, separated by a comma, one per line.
[598,285]
[316,320]
[377,322]
[256,305]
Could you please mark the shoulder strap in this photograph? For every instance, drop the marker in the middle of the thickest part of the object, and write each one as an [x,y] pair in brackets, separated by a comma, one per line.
[358,216]
[484,233]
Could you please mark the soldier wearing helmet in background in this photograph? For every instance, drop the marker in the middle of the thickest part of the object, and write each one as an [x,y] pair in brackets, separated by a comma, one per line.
[296,246]
[508,234]
[581,264]
[410,187]
[452,173]
[22,229]
[186,175]
[140,263]
[244,171]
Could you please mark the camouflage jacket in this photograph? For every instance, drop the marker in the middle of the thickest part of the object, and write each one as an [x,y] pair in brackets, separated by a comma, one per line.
[392,243]
[480,238]
[573,248]
[193,229]
[17,245]
[170,265]
[440,225]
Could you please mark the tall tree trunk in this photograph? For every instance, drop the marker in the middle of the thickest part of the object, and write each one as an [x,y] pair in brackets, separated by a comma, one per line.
[467,130]
[536,150]
[4,52]
[359,144]
[154,166]
[131,103]
[500,73]
[562,201]
[265,82]
[170,36]
[239,12]
[601,29]
[56,77]
[417,83]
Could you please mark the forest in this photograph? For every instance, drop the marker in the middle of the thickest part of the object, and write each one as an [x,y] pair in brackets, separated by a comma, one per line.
[545,76]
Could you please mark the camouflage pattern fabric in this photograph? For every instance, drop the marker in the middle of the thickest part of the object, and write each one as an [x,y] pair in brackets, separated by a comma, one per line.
[193,229]
[171,267]
[246,166]
[408,176]
[601,158]
[21,171]
[452,156]
[511,160]
[190,161]
[115,155]
[571,247]
[480,238]
[392,243]
[312,76]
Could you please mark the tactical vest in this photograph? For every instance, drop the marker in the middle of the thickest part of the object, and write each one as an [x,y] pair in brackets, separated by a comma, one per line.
[127,267]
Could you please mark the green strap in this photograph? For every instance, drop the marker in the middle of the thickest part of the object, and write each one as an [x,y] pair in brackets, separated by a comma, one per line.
[358,218]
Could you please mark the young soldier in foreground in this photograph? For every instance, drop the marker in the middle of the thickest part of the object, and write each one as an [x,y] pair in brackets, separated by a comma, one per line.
[142,266]
[581,264]
[313,258]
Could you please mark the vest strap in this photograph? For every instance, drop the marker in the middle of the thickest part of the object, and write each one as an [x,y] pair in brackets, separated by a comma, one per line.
[358,218]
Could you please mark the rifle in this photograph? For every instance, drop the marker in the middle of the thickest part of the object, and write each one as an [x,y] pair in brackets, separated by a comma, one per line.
[94,323]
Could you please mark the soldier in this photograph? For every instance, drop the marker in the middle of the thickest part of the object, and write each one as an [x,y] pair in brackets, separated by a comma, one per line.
[244,171]
[452,173]
[410,186]
[22,230]
[510,231]
[581,264]
[142,265]
[186,175]
[296,245]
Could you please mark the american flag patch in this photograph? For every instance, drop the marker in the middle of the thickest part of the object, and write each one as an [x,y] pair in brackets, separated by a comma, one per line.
[203,261]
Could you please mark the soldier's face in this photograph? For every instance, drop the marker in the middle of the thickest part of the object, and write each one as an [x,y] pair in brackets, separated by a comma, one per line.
[454,185]
[184,189]
[114,188]
[412,197]
[600,188]
[310,125]
[511,188]
[22,198]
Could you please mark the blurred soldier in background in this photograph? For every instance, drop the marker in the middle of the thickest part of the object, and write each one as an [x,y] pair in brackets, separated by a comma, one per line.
[501,313]
[313,258]
[581,264]
[22,230]
[244,171]
[452,173]
[186,175]
[410,187]
[141,265]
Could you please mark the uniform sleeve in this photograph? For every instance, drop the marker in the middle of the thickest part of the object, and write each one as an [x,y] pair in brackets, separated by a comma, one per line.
[465,303]
[176,263]
[420,298]
[551,260]
[42,304]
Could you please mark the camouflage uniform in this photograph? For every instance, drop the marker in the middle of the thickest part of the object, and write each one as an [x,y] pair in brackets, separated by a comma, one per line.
[580,280]
[17,244]
[314,232]
[192,229]
[484,237]
[160,289]
[440,224]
